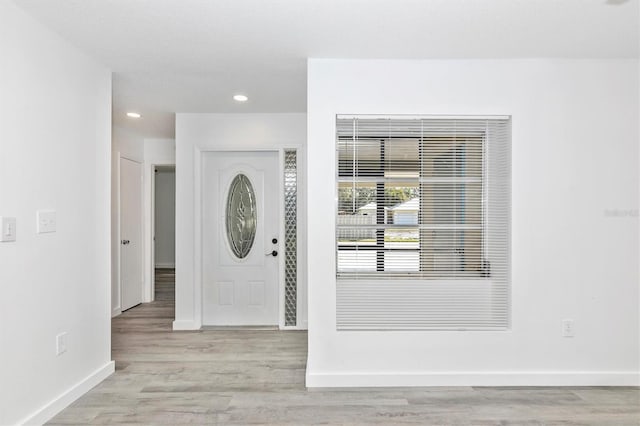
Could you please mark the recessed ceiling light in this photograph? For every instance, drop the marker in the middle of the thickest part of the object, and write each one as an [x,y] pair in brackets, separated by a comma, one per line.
[240,98]
[133,115]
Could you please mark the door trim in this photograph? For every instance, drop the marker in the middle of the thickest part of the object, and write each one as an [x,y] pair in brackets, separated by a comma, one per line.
[198,155]
[115,259]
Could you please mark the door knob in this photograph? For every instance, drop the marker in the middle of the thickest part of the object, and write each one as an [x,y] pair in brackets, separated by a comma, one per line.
[125,242]
[273,253]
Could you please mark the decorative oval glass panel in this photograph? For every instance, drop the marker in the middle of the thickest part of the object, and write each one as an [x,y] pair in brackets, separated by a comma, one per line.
[241,217]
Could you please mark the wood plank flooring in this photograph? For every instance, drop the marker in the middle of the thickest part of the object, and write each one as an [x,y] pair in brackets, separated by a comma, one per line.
[244,377]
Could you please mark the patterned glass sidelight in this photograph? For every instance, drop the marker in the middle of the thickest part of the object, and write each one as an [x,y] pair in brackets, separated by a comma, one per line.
[291,236]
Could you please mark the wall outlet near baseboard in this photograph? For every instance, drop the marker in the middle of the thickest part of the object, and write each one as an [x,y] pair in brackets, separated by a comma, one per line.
[61,343]
[567,328]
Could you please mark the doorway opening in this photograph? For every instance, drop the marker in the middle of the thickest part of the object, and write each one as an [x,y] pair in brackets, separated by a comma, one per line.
[163,227]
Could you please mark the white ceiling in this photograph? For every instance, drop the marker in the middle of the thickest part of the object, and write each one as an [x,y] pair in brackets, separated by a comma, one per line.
[193,55]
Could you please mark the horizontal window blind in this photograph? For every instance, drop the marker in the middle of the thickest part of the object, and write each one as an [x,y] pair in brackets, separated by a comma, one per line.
[422,226]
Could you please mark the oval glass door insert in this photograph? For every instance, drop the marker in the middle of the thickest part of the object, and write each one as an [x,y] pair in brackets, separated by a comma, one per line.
[241,216]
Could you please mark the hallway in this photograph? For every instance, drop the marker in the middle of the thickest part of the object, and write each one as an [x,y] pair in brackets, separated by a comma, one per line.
[257,377]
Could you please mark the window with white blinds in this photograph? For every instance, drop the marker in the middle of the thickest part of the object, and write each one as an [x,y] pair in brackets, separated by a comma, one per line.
[423,222]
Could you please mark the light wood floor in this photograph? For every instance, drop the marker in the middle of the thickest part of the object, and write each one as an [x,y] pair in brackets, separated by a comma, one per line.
[257,377]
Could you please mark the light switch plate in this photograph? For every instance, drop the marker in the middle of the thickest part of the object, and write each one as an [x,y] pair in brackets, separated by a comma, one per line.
[61,343]
[46,221]
[8,229]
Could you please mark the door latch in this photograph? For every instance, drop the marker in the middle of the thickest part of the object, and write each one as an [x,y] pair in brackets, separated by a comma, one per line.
[273,253]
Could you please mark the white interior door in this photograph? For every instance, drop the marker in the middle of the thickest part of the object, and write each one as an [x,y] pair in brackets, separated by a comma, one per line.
[240,270]
[131,281]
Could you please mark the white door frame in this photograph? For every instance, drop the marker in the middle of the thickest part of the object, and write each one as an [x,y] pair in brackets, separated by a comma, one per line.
[197,221]
[118,310]
[150,285]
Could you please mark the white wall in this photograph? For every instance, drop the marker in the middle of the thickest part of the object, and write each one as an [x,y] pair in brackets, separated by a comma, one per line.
[165,218]
[226,132]
[575,162]
[124,144]
[55,116]
[156,152]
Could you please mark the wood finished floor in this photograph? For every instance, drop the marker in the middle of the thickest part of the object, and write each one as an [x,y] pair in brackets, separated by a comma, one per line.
[257,377]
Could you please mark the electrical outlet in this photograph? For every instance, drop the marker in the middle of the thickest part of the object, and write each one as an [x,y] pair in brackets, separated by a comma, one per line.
[61,343]
[567,328]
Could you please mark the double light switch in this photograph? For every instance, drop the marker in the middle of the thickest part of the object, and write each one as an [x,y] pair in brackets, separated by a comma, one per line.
[46,222]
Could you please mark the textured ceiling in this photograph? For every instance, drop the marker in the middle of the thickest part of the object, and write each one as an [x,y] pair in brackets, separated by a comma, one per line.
[193,55]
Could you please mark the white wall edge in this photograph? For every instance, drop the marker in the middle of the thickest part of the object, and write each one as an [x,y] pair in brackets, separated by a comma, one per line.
[186,325]
[149,231]
[115,312]
[542,378]
[54,407]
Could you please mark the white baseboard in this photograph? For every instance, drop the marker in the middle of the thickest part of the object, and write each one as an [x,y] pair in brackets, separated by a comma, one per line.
[186,325]
[115,312]
[165,265]
[400,379]
[302,327]
[54,407]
